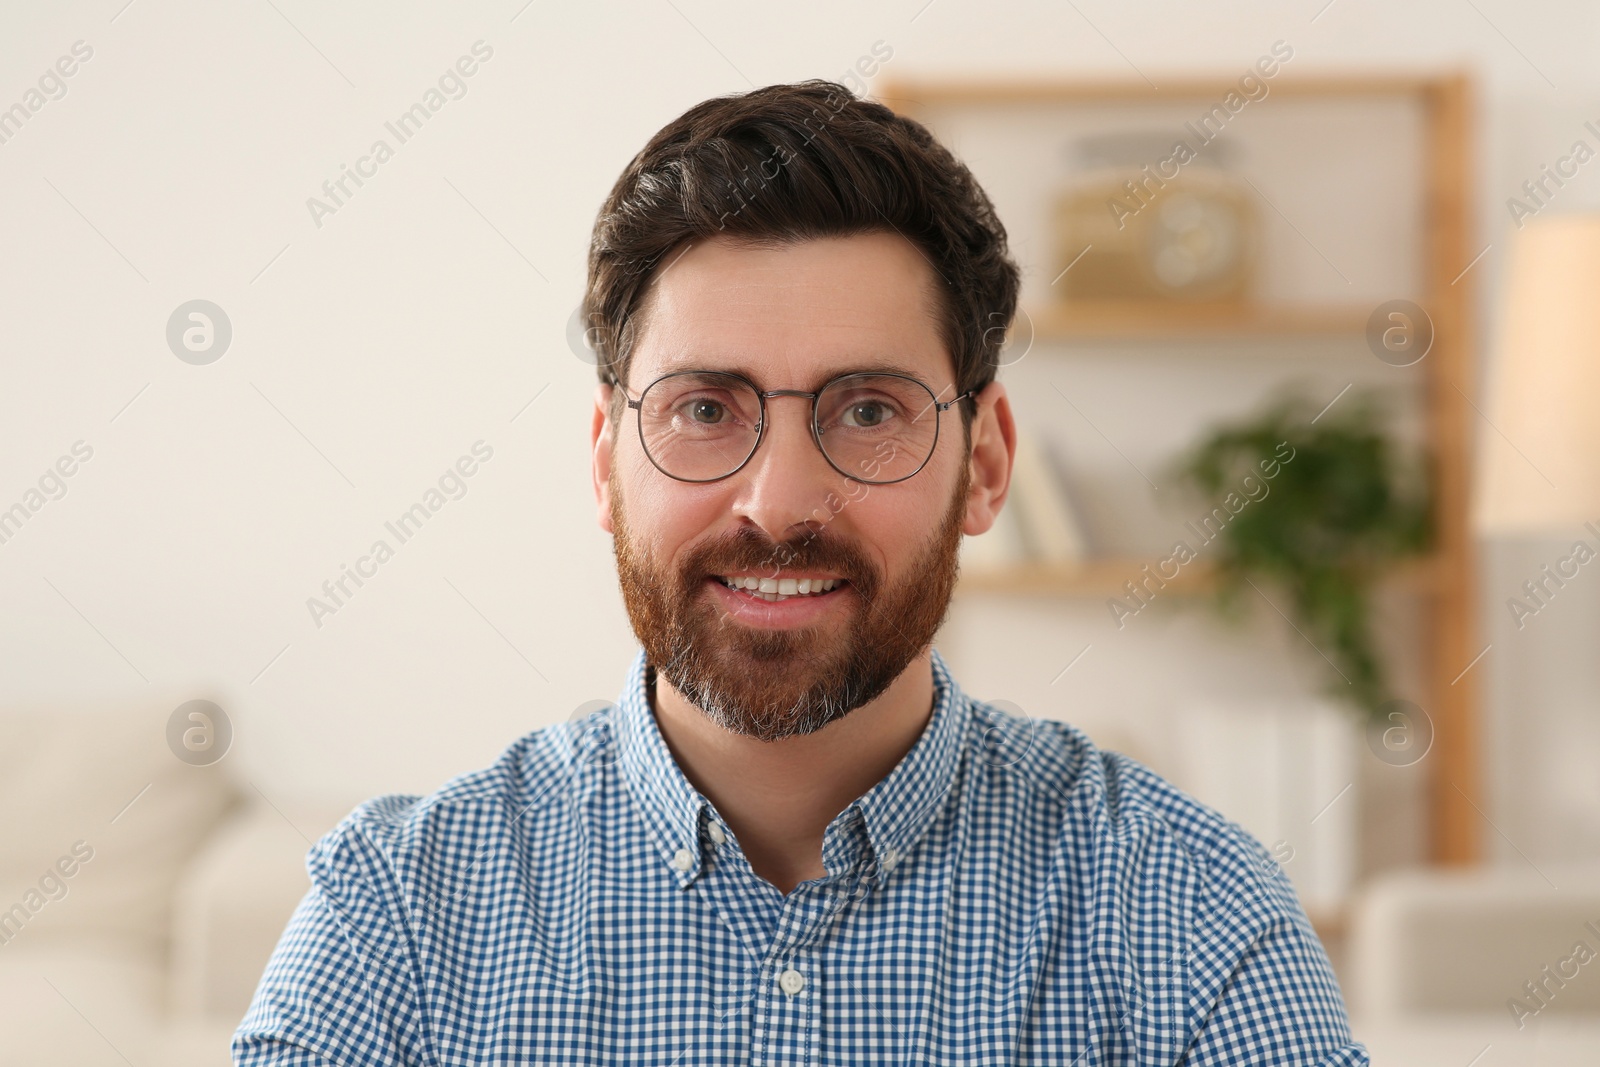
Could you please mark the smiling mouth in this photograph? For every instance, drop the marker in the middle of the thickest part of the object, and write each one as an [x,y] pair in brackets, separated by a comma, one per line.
[776,589]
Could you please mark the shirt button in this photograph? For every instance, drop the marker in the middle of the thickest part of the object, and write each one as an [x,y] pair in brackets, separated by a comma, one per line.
[792,981]
[682,860]
[717,836]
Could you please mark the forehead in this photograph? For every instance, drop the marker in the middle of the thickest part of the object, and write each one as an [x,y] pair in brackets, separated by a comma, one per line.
[795,315]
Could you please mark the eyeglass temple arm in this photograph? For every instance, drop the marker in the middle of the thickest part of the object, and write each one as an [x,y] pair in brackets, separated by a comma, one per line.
[954,400]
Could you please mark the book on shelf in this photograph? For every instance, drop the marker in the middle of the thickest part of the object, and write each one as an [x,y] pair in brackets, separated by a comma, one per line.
[1037,523]
[1000,547]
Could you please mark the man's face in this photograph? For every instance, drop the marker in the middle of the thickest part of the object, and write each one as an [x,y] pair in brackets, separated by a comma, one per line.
[788,318]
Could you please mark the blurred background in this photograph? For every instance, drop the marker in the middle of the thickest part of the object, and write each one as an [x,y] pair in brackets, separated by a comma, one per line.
[1305,377]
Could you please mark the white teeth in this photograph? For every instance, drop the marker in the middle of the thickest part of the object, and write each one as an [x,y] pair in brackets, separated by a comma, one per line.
[775,589]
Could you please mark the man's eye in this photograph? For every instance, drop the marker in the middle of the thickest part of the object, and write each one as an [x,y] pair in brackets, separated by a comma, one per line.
[867,414]
[705,412]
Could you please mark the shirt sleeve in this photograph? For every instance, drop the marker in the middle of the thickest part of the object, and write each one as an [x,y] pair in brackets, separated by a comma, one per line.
[337,991]
[1280,1003]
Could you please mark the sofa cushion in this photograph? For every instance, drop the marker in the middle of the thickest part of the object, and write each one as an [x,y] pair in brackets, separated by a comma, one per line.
[101,818]
[75,1006]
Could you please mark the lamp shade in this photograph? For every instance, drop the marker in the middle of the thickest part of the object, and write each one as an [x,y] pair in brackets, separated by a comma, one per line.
[1540,464]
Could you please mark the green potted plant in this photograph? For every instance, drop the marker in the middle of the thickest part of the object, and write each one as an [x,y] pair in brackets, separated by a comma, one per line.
[1345,506]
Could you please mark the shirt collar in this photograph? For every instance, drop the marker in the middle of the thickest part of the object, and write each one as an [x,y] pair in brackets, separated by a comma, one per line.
[894,812]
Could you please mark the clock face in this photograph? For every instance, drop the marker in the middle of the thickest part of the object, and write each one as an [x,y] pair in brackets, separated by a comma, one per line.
[1194,242]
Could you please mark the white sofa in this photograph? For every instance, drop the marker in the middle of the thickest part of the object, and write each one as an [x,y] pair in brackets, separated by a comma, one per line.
[1437,957]
[139,896]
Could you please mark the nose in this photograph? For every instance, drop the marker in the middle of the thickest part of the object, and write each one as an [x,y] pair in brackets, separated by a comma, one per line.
[786,484]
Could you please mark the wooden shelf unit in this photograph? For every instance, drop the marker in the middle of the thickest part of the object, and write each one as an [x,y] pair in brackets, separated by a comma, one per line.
[1448,579]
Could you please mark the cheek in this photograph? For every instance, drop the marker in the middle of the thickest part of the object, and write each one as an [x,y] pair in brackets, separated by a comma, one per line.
[889,523]
[665,518]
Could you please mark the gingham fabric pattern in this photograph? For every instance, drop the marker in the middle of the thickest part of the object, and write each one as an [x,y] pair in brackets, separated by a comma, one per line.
[1009,894]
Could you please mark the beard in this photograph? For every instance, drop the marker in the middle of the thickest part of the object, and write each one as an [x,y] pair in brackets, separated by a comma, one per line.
[770,684]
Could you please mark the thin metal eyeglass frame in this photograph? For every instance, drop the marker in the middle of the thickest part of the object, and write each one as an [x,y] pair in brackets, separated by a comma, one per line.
[816,431]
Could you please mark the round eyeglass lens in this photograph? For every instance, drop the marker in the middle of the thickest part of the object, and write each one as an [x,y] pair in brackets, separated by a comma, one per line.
[699,425]
[877,427]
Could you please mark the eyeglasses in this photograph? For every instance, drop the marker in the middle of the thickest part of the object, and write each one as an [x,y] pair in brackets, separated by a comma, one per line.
[872,427]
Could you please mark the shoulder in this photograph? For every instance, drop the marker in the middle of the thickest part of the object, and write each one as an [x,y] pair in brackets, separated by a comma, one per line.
[404,845]
[1133,829]
[1193,923]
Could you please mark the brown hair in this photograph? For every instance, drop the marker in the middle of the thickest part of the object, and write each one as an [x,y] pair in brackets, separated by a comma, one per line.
[790,162]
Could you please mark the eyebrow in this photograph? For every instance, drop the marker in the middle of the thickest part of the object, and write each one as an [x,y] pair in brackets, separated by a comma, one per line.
[877,364]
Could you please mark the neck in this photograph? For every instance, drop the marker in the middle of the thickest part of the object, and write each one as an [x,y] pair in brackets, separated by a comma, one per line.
[778,797]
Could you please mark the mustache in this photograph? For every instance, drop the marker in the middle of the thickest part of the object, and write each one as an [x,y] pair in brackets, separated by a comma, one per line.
[748,551]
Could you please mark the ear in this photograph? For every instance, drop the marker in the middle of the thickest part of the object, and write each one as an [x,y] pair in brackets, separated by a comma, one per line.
[994,447]
[602,442]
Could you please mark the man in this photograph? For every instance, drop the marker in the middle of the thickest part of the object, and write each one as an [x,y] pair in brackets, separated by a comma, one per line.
[794,839]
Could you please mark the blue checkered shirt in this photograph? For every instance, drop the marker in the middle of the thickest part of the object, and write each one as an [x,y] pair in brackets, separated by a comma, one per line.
[1008,894]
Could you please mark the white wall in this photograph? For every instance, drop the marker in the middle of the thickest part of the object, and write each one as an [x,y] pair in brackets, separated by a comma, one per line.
[371,351]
